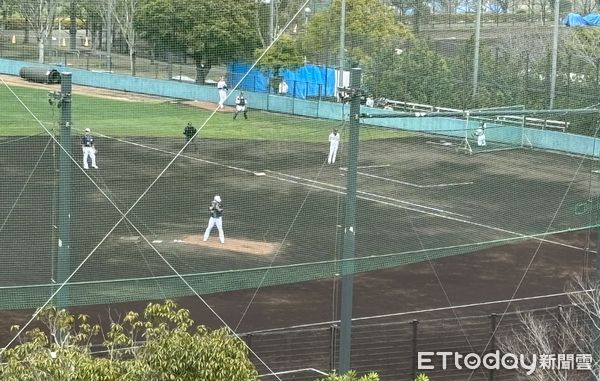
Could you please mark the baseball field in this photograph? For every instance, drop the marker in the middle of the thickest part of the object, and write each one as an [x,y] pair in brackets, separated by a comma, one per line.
[434,227]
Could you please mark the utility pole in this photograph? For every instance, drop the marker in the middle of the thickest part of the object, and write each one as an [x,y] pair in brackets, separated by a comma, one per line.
[350,224]
[271,21]
[554,53]
[62,100]
[342,45]
[476,48]
[109,35]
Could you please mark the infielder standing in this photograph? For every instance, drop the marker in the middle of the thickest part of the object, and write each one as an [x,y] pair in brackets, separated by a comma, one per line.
[334,143]
[222,86]
[89,150]
[216,218]
[241,104]
[480,133]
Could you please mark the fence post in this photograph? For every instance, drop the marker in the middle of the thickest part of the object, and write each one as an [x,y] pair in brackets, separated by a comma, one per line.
[294,97]
[492,341]
[332,352]
[248,340]
[415,331]
[598,78]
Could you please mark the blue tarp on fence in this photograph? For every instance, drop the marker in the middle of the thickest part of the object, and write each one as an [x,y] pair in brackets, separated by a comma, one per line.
[574,19]
[306,81]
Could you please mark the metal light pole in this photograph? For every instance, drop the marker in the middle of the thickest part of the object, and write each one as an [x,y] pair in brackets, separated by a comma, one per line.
[271,21]
[109,35]
[350,224]
[65,183]
[554,54]
[342,45]
[476,54]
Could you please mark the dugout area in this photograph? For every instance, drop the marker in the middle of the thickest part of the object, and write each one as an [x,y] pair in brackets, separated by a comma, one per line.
[417,202]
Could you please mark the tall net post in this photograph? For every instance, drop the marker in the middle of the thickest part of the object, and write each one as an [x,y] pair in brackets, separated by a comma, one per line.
[65,184]
[350,222]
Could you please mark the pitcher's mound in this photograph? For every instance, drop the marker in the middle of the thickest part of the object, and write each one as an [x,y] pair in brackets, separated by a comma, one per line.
[232,244]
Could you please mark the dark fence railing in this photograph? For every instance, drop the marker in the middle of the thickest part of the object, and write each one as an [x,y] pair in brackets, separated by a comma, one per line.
[389,348]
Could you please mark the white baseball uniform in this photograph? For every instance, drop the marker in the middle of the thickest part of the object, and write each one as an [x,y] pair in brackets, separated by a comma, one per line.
[222,86]
[334,143]
[480,133]
[89,151]
[216,219]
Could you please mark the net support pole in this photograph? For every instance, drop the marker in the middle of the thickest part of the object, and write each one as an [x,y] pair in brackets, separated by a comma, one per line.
[595,373]
[63,268]
[349,225]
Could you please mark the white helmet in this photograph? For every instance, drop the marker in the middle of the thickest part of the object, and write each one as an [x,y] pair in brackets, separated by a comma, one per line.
[87,130]
[218,198]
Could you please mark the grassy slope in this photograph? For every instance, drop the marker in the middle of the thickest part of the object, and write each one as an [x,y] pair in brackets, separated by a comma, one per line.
[160,119]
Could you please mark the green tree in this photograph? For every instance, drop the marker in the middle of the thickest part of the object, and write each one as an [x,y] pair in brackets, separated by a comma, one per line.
[284,54]
[163,344]
[213,31]
[351,376]
[369,24]
[415,73]
[40,16]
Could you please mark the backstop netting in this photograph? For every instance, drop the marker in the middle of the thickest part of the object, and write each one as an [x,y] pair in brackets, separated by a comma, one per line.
[135,226]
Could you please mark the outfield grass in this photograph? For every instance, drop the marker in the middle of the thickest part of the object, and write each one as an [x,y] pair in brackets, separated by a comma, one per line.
[159,119]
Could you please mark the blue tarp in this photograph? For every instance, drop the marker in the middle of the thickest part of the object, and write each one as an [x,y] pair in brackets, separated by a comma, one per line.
[307,81]
[574,19]
[593,19]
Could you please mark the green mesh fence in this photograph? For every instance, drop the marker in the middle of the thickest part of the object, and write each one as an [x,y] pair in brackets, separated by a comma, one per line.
[151,288]
[419,197]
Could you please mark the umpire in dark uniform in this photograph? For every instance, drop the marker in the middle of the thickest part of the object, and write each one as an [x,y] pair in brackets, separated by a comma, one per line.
[189,131]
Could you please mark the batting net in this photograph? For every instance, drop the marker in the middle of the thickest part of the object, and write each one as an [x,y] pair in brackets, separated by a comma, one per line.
[136,225]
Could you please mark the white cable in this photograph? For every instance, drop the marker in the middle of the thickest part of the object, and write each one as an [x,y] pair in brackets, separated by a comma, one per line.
[415,312]
[533,257]
[24,186]
[124,215]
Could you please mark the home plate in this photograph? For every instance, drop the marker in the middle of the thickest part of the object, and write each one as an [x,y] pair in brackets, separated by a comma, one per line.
[233,244]
[259,173]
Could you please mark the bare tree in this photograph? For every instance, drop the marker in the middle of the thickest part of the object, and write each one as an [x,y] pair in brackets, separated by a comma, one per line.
[569,330]
[40,15]
[125,12]
[584,43]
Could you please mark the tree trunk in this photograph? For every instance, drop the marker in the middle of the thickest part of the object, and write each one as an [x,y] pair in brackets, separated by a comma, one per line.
[73,26]
[4,14]
[202,70]
[26,38]
[41,50]
[132,60]
[100,32]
